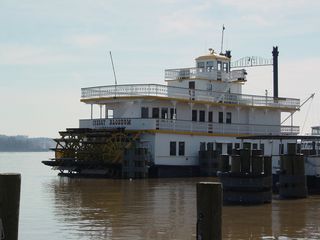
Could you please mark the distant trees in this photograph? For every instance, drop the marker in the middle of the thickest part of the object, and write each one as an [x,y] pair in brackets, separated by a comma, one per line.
[24,144]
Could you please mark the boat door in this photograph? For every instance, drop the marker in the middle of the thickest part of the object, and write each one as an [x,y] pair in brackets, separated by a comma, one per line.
[192,87]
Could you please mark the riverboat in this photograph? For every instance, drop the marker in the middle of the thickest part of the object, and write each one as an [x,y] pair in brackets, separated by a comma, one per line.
[169,130]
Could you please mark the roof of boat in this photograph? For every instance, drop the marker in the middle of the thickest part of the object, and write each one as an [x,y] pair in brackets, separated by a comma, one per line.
[212,56]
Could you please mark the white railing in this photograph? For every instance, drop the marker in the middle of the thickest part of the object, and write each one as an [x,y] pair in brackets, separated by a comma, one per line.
[188,126]
[202,73]
[157,90]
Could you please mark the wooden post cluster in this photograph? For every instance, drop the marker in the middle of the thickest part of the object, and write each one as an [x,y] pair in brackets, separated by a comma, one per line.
[292,179]
[208,162]
[10,185]
[209,211]
[250,179]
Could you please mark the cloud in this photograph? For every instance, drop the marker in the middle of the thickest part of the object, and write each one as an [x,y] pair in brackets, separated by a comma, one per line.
[15,54]
[274,13]
[89,40]
[269,6]
[185,20]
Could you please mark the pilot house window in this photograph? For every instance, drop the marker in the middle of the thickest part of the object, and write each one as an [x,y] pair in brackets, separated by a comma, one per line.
[200,65]
[225,67]
[209,66]
[219,66]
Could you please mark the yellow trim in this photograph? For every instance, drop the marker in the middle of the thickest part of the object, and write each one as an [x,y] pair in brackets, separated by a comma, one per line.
[94,100]
[193,133]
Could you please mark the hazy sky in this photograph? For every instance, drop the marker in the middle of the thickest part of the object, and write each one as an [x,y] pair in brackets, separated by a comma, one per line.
[50,49]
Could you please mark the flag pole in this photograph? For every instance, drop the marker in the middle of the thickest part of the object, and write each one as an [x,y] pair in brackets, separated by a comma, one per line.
[223,28]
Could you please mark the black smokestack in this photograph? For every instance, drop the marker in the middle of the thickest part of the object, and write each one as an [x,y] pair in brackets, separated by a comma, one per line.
[275,54]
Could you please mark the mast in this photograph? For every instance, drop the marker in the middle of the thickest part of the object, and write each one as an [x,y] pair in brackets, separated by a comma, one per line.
[223,28]
[114,72]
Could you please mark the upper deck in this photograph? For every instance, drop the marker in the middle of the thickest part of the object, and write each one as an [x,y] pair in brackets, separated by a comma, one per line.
[100,93]
[203,73]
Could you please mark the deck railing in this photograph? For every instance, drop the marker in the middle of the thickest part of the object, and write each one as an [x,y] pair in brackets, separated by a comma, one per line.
[202,73]
[157,90]
[188,126]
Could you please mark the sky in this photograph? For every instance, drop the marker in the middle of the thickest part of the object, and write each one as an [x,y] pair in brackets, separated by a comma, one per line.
[49,50]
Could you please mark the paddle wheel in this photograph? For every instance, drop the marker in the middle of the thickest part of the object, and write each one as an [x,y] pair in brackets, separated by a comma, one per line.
[95,152]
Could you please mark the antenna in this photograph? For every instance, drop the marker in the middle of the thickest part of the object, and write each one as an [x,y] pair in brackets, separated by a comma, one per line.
[223,28]
[114,72]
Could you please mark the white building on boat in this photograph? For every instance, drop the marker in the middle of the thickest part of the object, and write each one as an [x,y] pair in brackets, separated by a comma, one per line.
[199,108]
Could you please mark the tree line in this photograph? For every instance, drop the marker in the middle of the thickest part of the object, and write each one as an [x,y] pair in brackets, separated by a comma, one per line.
[25,144]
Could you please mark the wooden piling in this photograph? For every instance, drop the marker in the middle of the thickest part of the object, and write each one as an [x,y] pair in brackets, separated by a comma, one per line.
[245,159]
[267,165]
[10,185]
[257,165]
[224,163]
[209,211]
[235,163]
[292,179]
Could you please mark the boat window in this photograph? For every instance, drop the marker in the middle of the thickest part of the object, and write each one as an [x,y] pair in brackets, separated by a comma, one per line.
[155,112]
[254,146]
[181,149]
[173,148]
[262,148]
[164,113]
[200,64]
[299,148]
[281,148]
[246,145]
[202,116]
[225,67]
[229,148]
[173,113]
[220,117]
[192,85]
[228,117]
[209,66]
[237,145]
[219,66]
[194,115]
[110,113]
[210,117]
[144,112]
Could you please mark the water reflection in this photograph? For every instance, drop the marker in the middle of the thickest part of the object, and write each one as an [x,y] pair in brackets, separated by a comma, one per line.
[122,209]
[165,209]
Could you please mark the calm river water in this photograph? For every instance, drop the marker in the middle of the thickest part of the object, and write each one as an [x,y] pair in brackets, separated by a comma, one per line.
[53,207]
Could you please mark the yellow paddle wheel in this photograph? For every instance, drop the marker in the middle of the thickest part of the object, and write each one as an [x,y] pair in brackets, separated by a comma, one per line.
[98,152]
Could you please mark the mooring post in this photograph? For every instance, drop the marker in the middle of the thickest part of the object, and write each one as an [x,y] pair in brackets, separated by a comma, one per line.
[209,211]
[10,185]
